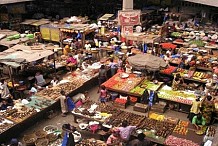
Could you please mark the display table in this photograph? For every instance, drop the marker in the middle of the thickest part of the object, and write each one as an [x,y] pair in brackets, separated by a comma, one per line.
[123,83]
[183,99]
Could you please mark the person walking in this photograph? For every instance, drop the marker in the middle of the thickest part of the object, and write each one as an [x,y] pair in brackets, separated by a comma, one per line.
[63,101]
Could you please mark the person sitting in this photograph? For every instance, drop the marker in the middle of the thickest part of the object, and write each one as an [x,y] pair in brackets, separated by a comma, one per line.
[198,121]
[4,105]
[40,81]
[71,62]
[55,81]
[140,141]
[114,139]
[15,142]
[83,98]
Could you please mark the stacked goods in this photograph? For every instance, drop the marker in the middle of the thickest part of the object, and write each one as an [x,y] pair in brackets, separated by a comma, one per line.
[175,141]
[211,131]
[200,75]
[5,124]
[176,34]
[156,117]
[51,93]
[169,70]
[181,128]
[91,142]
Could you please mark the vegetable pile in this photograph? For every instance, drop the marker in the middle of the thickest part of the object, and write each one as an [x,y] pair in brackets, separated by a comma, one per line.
[175,141]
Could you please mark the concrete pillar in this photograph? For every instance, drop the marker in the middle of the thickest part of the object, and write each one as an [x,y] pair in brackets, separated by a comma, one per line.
[127,4]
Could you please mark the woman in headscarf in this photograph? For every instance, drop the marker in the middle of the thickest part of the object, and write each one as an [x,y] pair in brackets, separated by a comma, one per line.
[208,108]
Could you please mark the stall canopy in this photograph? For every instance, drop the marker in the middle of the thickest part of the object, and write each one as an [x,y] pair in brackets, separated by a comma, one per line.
[213,3]
[19,54]
[147,61]
[13,1]
[106,17]
[142,37]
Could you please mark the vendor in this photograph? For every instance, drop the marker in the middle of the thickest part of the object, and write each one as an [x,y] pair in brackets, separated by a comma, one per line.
[4,90]
[113,67]
[4,105]
[40,81]
[195,109]
[178,82]
[140,141]
[198,121]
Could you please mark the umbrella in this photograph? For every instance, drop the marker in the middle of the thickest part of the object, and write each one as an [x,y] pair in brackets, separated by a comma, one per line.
[147,61]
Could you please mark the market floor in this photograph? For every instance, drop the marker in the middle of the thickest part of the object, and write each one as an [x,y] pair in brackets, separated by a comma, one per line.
[58,120]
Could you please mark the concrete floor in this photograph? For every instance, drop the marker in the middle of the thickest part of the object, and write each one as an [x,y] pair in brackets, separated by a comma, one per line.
[58,120]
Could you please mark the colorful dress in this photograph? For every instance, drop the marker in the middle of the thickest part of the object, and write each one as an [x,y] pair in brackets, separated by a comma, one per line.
[207,110]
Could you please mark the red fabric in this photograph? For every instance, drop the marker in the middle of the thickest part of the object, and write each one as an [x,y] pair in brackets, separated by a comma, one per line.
[168,46]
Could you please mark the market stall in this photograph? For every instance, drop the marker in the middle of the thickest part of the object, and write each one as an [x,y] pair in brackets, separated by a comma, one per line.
[123,83]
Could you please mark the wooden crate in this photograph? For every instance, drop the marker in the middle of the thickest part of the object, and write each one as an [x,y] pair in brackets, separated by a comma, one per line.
[158,108]
[118,105]
[140,107]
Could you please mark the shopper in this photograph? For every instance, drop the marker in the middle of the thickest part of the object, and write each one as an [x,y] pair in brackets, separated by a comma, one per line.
[63,101]
[207,108]
[125,131]
[4,104]
[114,139]
[140,141]
[103,94]
[68,139]
[195,109]
[102,76]
[40,81]
[199,121]
[113,67]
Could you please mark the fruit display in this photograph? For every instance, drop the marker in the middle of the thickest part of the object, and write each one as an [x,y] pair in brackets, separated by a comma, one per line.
[5,124]
[169,70]
[184,97]
[199,43]
[180,130]
[176,34]
[138,90]
[157,117]
[120,101]
[123,84]
[175,141]
[179,40]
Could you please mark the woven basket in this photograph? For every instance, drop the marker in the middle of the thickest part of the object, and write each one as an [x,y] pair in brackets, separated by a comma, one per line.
[40,134]
[42,142]
[30,139]
[51,137]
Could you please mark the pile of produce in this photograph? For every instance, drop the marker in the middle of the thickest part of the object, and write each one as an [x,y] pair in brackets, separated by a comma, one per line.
[150,85]
[138,90]
[107,109]
[5,124]
[132,118]
[176,34]
[156,117]
[13,37]
[175,141]
[179,40]
[120,101]
[199,43]
[162,129]
[200,75]
[18,115]
[51,93]
[181,128]
[169,70]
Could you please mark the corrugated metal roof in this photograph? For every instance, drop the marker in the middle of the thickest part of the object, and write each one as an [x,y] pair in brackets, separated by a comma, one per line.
[13,1]
[205,2]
